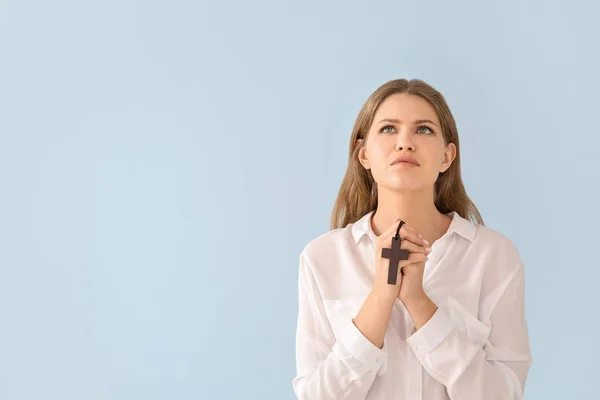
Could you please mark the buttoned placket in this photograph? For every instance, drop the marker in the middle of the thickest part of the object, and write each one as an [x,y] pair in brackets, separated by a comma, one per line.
[415,382]
[416,368]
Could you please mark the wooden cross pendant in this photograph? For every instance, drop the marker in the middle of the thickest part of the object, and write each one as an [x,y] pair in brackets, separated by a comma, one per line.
[395,254]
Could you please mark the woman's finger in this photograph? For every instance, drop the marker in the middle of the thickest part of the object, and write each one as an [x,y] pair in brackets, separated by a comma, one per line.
[413,258]
[413,248]
[384,239]
[407,232]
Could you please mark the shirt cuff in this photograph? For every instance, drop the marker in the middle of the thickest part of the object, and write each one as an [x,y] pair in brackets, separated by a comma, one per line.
[357,350]
[431,334]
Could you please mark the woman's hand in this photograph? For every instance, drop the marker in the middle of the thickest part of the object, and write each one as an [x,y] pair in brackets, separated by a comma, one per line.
[411,241]
[411,290]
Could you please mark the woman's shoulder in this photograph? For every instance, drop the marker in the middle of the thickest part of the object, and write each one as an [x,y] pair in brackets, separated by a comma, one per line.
[498,249]
[328,256]
[328,242]
[493,238]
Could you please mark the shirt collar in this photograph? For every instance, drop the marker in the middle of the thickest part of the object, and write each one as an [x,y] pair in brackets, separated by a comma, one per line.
[459,225]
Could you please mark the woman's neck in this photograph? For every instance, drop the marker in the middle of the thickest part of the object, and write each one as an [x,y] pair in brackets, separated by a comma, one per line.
[415,208]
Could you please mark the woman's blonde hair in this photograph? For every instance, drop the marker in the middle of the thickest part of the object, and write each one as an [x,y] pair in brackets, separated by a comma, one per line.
[358,192]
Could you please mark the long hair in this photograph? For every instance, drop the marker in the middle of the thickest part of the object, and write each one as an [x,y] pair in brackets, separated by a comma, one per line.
[358,192]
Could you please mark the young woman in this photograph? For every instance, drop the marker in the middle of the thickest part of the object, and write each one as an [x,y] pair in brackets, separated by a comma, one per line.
[453,324]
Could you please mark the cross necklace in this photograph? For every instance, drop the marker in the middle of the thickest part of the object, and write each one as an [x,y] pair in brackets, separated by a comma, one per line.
[394,254]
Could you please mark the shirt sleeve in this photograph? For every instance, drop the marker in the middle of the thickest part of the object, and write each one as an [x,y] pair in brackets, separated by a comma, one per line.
[476,360]
[328,368]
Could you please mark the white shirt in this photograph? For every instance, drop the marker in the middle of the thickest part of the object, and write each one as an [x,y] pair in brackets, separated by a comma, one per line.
[475,346]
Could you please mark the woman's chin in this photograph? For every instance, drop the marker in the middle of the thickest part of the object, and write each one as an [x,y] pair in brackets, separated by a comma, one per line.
[406,184]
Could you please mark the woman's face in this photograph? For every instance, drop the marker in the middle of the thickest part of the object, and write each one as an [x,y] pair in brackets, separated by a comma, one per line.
[406,125]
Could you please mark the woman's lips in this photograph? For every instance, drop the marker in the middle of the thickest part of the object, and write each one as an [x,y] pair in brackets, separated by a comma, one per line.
[404,164]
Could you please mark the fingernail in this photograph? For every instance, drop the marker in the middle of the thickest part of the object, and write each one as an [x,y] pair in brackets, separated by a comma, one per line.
[426,242]
[428,249]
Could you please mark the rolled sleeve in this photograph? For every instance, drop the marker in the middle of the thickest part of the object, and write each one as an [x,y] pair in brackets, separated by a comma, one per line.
[473,359]
[357,350]
[330,367]
[431,334]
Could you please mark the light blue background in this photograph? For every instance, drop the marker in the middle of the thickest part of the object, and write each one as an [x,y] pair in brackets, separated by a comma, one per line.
[162,164]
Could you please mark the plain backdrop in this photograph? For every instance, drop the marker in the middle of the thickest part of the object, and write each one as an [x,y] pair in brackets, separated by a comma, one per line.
[163,163]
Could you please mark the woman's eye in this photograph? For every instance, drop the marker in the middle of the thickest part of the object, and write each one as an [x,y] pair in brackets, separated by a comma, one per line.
[421,129]
[426,127]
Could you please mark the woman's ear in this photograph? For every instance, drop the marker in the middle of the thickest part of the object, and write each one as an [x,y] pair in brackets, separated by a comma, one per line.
[362,154]
[449,155]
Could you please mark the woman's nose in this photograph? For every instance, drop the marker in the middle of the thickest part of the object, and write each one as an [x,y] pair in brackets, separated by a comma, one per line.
[401,147]
[404,142]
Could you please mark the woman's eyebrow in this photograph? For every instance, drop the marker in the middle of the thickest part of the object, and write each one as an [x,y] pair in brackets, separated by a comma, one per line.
[397,121]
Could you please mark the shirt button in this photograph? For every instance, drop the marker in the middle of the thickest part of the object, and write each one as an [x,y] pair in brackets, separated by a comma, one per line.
[415,389]
[378,360]
[415,348]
